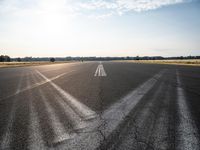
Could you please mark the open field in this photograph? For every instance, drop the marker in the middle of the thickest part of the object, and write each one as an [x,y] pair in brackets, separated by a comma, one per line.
[190,62]
[32,63]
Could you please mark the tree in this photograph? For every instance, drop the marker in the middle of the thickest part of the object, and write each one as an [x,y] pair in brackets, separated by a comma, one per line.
[52,59]
[4,58]
[7,58]
[1,58]
[137,58]
[19,59]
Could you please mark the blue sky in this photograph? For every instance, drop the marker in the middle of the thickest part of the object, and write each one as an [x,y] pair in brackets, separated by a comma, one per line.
[99,27]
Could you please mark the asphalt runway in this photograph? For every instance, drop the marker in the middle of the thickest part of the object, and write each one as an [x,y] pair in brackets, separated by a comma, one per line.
[100,105]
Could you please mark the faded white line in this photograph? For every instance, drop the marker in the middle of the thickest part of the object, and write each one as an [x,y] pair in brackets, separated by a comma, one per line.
[5,143]
[81,109]
[78,123]
[35,137]
[162,123]
[103,71]
[60,132]
[187,130]
[19,84]
[141,120]
[100,70]
[36,85]
[97,71]
[36,141]
[111,118]
[41,83]
[58,128]
[6,138]
[116,113]
[99,74]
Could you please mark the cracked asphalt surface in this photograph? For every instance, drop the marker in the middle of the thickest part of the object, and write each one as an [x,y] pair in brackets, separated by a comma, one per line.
[65,106]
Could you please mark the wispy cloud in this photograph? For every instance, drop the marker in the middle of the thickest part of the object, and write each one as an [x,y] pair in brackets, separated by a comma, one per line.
[91,8]
[122,6]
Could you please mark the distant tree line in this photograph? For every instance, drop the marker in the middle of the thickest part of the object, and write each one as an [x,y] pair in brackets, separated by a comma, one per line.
[5,58]
[182,57]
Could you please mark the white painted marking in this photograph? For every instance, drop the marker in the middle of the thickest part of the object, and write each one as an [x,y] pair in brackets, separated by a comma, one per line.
[187,128]
[103,71]
[77,122]
[41,83]
[100,70]
[140,122]
[35,141]
[57,126]
[35,85]
[99,74]
[97,71]
[117,112]
[81,109]
[111,118]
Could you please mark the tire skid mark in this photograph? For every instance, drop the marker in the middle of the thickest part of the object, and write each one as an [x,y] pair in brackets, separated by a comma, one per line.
[60,133]
[35,85]
[46,129]
[147,123]
[111,118]
[7,136]
[142,128]
[81,109]
[35,138]
[58,128]
[21,121]
[187,130]
[150,116]
[77,123]
[160,134]
[54,101]
[117,112]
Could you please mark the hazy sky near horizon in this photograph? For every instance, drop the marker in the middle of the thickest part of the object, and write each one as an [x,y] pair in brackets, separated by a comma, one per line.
[99,27]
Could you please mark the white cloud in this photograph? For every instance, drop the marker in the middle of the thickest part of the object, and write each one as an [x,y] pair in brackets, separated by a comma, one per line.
[25,7]
[101,16]
[98,8]
[122,6]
